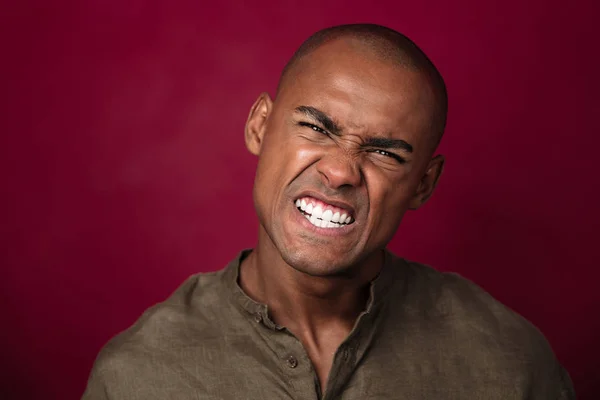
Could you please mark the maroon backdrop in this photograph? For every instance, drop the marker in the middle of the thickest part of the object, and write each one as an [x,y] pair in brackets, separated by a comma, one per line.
[124,169]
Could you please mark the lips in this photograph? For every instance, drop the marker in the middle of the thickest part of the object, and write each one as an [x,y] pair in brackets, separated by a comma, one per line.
[322,214]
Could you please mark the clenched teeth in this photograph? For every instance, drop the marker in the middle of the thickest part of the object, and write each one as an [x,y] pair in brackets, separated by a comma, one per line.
[323,215]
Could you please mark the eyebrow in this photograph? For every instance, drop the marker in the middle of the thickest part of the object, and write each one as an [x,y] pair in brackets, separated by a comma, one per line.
[385,143]
[320,117]
[332,127]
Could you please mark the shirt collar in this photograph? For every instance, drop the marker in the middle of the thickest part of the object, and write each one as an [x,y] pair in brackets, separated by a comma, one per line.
[379,288]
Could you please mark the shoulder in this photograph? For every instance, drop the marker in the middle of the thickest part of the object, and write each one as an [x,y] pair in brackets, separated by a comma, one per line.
[186,319]
[193,305]
[467,319]
[469,309]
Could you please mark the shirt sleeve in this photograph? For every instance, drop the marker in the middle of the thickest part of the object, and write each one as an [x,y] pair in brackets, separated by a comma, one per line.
[96,387]
[567,392]
[111,377]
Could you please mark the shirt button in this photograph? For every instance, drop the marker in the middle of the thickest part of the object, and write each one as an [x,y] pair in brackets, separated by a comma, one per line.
[257,318]
[292,362]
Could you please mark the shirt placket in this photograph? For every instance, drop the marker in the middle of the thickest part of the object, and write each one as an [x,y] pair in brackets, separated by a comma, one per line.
[293,361]
[345,361]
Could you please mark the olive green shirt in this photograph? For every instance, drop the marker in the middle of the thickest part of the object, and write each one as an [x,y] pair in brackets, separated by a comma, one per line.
[423,335]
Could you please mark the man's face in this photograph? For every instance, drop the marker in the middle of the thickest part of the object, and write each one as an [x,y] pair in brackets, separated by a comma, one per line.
[344,151]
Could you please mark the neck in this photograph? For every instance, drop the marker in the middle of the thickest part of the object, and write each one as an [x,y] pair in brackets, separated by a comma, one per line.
[305,303]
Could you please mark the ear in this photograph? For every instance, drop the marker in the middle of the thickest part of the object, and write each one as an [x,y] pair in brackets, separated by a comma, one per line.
[428,182]
[256,124]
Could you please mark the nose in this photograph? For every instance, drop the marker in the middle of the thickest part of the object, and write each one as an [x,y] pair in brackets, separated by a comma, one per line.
[339,170]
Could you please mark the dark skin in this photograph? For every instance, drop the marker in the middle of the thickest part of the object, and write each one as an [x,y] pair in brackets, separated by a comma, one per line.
[346,127]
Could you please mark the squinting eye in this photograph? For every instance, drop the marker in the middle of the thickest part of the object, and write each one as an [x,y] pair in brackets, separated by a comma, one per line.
[390,155]
[313,127]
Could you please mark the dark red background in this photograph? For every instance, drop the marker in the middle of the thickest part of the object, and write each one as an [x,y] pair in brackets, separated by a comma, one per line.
[124,169]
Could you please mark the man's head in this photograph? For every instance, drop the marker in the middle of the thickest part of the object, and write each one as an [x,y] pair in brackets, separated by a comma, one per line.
[358,114]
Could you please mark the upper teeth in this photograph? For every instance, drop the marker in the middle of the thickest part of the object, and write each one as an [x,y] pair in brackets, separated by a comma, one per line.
[330,217]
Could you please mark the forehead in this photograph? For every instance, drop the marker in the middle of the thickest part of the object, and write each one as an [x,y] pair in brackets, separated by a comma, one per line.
[359,89]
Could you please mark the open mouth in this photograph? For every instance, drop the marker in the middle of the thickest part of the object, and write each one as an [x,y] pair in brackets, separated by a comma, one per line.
[323,215]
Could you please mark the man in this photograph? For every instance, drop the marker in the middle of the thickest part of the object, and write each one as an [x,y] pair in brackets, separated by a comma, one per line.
[319,309]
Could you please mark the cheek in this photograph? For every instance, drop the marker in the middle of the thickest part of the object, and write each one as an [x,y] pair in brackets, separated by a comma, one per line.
[292,156]
[280,162]
[305,155]
[388,198]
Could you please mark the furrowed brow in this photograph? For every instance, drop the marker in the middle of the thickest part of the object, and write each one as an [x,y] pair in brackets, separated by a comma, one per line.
[321,118]
[385,143]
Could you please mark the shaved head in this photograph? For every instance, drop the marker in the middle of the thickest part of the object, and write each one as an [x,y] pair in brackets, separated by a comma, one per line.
[381,43]
[353,127]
